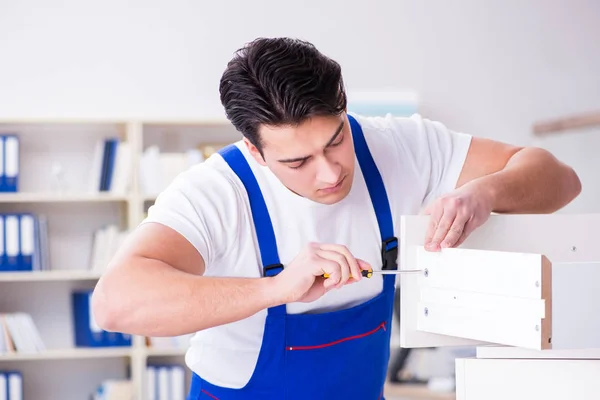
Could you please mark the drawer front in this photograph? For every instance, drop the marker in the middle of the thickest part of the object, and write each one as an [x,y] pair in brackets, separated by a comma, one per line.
[526,379]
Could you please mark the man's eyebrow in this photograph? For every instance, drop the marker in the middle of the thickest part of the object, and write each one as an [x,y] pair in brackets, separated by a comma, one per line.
[291,160]
[336,134]
[331,140]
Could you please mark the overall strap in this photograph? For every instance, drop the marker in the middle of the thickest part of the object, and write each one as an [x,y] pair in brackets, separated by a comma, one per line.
[263,226]
[379,198]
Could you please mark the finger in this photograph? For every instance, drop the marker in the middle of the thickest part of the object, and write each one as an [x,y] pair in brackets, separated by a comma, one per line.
[468,229]
[456,230]
[438,226]
[436,211]
[332,270]
[340,259]
[350,259]
[364,265]
[443,227]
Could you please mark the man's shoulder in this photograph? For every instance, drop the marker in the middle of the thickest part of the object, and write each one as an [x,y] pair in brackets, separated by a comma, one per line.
[388,126]
[392,136]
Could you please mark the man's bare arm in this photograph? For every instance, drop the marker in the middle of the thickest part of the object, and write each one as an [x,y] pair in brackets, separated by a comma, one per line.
[520,180]
[154,287]
[498,177]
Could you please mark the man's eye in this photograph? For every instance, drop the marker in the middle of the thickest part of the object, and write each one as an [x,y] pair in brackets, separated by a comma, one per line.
[337,143]
[297,166]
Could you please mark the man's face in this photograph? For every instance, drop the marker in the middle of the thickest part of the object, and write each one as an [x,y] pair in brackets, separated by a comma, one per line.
[314,160]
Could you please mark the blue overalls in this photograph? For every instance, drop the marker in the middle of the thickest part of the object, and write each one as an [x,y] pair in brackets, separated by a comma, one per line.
[333,355]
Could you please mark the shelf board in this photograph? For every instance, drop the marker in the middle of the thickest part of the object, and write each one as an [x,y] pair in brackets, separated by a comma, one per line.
[149,197]
[49,276]
[207,121]
[415,391]
[150,351]
[69,354]
[63,121]
[33,197]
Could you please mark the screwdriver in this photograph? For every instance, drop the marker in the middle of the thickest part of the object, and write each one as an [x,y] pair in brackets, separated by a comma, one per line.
[368,273]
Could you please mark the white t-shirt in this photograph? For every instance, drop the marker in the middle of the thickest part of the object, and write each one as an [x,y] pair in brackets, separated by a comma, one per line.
[418,160]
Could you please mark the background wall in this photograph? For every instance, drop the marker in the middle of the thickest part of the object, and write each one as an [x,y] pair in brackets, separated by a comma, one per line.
[487,68]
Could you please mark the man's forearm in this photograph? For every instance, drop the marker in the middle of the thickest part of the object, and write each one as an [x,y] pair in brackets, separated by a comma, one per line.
[533,181]
[150,298]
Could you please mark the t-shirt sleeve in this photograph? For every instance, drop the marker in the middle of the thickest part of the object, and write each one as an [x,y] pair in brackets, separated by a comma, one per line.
[436,154]
[201,205]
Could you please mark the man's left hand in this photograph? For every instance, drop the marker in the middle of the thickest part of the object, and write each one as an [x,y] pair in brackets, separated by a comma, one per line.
[455,215]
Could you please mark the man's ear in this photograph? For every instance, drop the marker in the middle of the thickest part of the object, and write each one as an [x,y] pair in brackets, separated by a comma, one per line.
[255,153]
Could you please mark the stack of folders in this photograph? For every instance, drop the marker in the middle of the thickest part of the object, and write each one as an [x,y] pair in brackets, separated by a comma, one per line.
[11,385]
[23,242]
[9,163]
[106,241]
[114,389]
[111,167]
[87,331]
[18,334]
[165,382]
[158,169]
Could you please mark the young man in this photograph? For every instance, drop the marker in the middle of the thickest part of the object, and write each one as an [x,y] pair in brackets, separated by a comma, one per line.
[259,250]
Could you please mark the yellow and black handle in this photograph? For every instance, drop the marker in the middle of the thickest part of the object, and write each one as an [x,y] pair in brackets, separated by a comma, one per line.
[367,273]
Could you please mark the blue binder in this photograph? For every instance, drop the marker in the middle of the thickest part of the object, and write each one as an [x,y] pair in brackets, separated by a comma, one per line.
[3,262]
[11,385]
[11,163]
[27,241]
[12,242]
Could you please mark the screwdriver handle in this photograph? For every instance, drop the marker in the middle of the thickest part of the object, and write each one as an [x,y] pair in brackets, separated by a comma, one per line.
[367,273]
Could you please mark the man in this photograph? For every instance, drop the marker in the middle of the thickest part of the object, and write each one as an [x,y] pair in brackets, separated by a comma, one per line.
[259,250]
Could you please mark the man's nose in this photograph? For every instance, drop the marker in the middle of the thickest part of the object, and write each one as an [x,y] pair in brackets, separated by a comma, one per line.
[328,171]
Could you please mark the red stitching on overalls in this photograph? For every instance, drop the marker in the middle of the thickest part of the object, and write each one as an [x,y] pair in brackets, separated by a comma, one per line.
[320,346]
[208,394]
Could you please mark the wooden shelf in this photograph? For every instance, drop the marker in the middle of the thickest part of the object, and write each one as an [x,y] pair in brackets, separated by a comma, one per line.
[49,276]
[23,197]
[69,354]
[415,392]
[149,197]
[164,352]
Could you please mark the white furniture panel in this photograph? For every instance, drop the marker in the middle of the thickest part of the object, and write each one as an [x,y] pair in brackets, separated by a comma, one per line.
[504,292]
[494,352]
[527,379]
[494,296]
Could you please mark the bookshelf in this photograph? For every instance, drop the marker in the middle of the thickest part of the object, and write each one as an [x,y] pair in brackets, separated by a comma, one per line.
[58,179]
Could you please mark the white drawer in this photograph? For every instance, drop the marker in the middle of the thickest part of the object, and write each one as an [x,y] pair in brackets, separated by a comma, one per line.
[526,379]
[529,281]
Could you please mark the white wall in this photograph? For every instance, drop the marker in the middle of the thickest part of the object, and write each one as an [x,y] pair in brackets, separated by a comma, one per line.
[488,68]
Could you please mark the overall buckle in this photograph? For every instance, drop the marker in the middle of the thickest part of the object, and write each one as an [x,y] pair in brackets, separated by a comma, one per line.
[273,269]
[389,253]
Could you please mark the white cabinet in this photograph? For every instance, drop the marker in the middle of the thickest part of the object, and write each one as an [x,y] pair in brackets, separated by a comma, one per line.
[527,379]
[525,289]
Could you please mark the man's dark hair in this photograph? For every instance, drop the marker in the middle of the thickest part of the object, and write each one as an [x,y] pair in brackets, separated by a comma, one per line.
[277,82]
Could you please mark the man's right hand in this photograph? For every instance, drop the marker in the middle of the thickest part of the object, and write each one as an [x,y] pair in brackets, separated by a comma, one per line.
[302,280]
